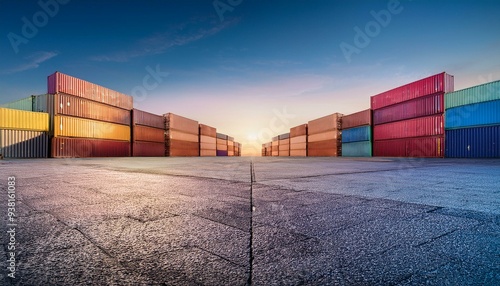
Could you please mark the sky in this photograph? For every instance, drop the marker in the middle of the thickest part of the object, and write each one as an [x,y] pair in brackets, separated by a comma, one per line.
[250,68]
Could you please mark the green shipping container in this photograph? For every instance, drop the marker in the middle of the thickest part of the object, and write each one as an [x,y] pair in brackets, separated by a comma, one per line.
[357,149]
[476,94]
[25,104]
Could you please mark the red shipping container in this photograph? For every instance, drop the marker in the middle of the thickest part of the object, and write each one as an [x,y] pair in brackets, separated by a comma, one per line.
[417,127]
[298,130]
[62,83]
[357,119]
[438,83]
[208,131]
[140,117]
[149,134]
[81,148]
[148,149]
[423,106]
[178,148]
[410,147]
[324,148]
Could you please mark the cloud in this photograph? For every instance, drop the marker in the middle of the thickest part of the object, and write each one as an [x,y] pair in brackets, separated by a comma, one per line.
[33,61]
[159,43]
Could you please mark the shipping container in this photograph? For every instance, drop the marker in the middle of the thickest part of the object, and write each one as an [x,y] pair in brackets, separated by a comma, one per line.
[148,134]
[357,119]
[324,148]
[230,153]
[63,104]
[221,142]
[229,138]
[476,94]
[174,134]
[357,149]
[148,149]
[208,139]
[284,136]
[328,135]
[66,126]
[24,143]
[418,127]
[230,143]
[363,133]
[284,153]
[180,123]
[298,146]
[23,120]
[81,147]
[208,146]
[298,139]
[25,104]
[326,123]
[208,130]
[473,115]
[221,136]
[410,147]
[439,83]
[144,118]
[62,83]
[477,142]
[299,130]
[208,153]
[222,147]
[178,148]
[298,153]
[419,107]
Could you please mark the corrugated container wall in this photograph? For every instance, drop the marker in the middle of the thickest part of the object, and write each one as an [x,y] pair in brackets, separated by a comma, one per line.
[62,83]
[298,130]
[476,94]
[81,148]
[479,142]
[66,126]
[326,123]
[144,118]
[25,104]
[23,120]
[357,119]
[410,147]
[439,83]
[356,134]
[24,144]
[180,123]
[418,127]
[148,149]
[208,131]
[473,115]
[357,149]
[149,134]
[422,106]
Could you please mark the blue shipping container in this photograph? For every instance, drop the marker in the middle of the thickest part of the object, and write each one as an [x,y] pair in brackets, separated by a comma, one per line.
[473,115]
[357,134]
[357,149]
[478,142]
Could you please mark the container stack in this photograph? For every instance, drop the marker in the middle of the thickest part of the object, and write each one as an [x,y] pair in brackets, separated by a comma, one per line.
[222,144]
[181,136]
[284,145]
[324,136]
[267,149]
[472,122]
[26,104]
[237,149]
[408,120]
[357,134]
[208,141]
[23,134]
[275,146]
[230,146]
[148,134]
[87,120]
[298,141]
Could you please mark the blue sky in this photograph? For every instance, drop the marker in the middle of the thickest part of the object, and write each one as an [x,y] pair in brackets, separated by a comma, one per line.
[255,69]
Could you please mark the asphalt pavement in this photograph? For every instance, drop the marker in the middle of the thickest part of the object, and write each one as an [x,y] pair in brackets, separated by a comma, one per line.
[251,221]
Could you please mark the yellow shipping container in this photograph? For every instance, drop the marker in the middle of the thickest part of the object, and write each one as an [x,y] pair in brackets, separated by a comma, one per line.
[23,120]
[67,126]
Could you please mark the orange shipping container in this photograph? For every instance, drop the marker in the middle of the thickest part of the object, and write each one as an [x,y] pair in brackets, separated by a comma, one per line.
[357,119]
[298,130]
[329,135]
[298,146]
[324,148]
[298,153]
[66,126]
[326,123]
[180,123]
[178,148]
[208,130]
[298,139]
[208,153]
[207,139]
[208,146]
[172,134]
[149,134]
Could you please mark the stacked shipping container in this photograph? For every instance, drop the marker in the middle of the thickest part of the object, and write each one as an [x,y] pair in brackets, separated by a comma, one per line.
[148,134]
[357,134]
[324,136]
[222,144]
[181,136]
[23,134]
[472,122]
[275,146]
[408,120]
[284,145]
[230,146]
[208,141]
[87,120]
[298,141]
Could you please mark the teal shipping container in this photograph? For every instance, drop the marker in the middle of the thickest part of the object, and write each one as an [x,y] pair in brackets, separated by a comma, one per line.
[25,104]
[476,94]
[473,115]
[357,134]
[357,149]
